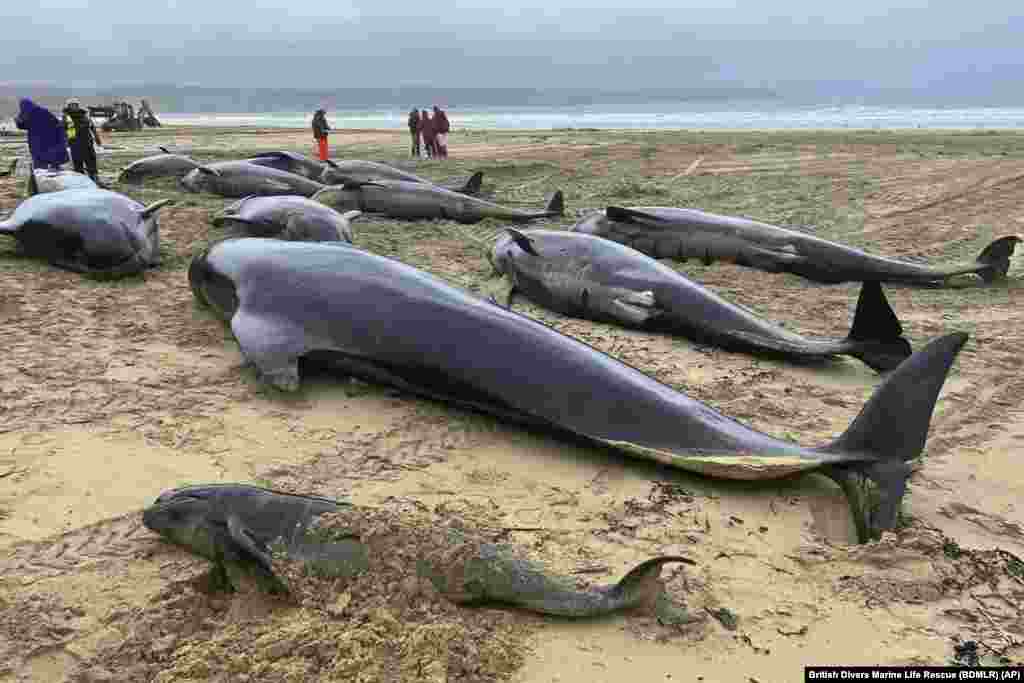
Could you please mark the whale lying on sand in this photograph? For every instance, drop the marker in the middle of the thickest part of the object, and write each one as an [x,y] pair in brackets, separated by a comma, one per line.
[243,529]
[238,179]
[383,321]
[667,232]
[166,165]
[288,218]
[88,231]
[417,201]
[585,276]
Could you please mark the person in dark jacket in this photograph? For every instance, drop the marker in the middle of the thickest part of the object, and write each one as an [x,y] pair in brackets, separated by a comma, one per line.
[414,131]
[46,140]
[320,130]
[427,130]
[441,127]
[82,138]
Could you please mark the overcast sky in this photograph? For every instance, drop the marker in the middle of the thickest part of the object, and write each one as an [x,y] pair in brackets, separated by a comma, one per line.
[554,43]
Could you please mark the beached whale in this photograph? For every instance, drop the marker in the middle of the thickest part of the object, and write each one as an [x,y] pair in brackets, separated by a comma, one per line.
[287,218]
[88,231]
[292,162]
[238,179]
[418,201]
[667,232]
[383,321]
[166,165]
[244,529]
[585,276]
[356,170]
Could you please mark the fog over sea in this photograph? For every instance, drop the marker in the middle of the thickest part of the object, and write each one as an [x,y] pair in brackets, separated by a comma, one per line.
[753,114]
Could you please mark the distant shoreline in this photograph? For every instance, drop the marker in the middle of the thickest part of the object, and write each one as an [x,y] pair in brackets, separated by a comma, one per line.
[20,136]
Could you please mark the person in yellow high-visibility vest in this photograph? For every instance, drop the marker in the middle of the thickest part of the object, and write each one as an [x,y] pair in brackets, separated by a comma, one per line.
[82,138]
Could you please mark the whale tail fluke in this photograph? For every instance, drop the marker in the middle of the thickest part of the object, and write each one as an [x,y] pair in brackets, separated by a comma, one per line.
[891,430]
[996,258]
[877,330]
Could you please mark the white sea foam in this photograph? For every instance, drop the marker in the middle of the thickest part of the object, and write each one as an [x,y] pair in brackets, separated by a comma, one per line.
[740,115]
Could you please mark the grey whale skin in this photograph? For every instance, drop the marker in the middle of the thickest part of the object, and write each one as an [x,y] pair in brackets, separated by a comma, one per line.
[237,525]
[88,231]
[292,162]
[41,181]
[585,276]
[358,170]
[668,232]
[239,179]
[288,218]
[349,170]
[416,201]
[383,321]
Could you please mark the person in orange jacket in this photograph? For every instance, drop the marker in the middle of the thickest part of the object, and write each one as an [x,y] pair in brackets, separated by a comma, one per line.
[320,130]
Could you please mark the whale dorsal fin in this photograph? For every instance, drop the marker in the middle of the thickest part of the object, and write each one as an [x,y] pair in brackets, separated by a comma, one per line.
[624,215]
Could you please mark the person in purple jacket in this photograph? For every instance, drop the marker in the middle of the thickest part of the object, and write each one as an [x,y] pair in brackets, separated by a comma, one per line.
[47,141]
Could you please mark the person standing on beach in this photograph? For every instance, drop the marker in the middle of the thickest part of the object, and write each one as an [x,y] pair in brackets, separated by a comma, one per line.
[320,130]
[414,131]
[441,127]
[427,130]
[82,137]
[47,142]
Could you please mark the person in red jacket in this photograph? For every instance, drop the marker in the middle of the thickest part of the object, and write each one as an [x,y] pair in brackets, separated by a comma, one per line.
[441,128]
[427,130]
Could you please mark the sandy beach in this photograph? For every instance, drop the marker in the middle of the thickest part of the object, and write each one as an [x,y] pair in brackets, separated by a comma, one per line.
[111,392]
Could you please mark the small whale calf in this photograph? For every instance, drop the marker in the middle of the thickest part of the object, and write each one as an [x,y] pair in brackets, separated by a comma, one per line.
[241,528]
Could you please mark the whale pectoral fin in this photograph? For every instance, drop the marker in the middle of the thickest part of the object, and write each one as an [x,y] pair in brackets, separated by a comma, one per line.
[277,186]
[246,542]
[273,347]
[522,241]
[154,207]
[207,170]
[295,229]
[357,184]
[635,308]
[771,260]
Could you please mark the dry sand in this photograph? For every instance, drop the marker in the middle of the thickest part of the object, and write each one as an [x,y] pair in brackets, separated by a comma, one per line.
[111,393]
